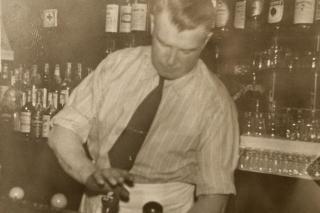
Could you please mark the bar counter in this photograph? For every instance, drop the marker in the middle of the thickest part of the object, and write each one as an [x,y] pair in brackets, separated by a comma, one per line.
[31,165]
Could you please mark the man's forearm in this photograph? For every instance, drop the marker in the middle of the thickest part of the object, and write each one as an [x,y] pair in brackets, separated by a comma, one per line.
[68,148]
[214,203]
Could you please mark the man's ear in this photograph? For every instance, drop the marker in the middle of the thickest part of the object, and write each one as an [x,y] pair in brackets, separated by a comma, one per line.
[152,20]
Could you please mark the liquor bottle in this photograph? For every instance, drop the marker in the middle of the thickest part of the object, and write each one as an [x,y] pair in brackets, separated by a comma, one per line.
[35,83]
[140,22]
[110,203]
[56,85]
[36,118]
[303,14]
[4,80]
[125,37]
[66,85]
[280,14]
[111,24]
[255,15]
[45,84]
[240,14]
[224,17]
[77,76]
[152,207]
[25,115]
[49,112]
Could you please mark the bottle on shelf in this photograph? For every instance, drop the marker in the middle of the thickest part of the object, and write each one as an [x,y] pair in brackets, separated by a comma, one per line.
[239,14]
[111,25]
[77,76]
[66,85]
[125,38]
[140,22]
[35,83]
[56,85]
[255,15]
[45,84]
[48,113]
[25,114]
[4,80]
[303,14]
[36,117]
[224,17]
[280,14]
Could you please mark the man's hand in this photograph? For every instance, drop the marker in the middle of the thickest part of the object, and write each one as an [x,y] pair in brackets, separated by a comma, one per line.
[103,181]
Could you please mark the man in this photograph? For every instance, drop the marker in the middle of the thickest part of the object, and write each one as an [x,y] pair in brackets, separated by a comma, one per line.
[191,147]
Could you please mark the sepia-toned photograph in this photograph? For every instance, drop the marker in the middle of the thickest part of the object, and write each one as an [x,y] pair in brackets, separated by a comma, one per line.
[160,106]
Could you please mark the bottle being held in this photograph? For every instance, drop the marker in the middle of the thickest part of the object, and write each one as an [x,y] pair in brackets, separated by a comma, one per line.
[110,203]
[152,207]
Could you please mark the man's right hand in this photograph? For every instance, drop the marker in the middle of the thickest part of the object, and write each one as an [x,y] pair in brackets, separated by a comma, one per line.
[103,181]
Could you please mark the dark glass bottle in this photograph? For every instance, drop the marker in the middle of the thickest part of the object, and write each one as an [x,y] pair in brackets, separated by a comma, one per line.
[77,76]
[111,24]
[25,115]
[224,17]
[280,14]
[48,113]
[110,203]
[125,38]
[303,14]
[140,22]
[36,118]
[152,207]
[45,84]
[66,85]
[240,14]
[255,15]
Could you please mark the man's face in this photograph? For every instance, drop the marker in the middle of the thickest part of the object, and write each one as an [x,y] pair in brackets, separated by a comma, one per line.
[175,53]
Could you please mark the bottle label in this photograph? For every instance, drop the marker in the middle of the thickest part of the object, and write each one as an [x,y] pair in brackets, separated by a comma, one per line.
[46,126]
[6,118]
[317,13]
[125,19]
[240,15]
[55,99]
[139,17]
[276,11]
[3,90]
[112,16]
[223,14]
[25,122]
[50,18]
[256,8]
[44,94]
[304,11]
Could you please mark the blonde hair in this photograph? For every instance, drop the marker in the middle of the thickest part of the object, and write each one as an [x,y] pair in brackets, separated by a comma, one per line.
[186,14]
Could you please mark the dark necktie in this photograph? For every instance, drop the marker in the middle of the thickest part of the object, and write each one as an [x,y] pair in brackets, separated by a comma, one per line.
[124,151]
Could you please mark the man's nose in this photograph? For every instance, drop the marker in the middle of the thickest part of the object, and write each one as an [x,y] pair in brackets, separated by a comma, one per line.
[172,56]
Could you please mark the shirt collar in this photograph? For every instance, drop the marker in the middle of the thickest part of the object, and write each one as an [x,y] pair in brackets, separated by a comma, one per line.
[177,85]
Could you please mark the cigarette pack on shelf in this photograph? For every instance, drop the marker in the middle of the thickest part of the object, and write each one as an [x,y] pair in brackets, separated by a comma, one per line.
[280,157]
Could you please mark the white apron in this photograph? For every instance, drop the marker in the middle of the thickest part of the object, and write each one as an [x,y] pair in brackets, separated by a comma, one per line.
[174,197]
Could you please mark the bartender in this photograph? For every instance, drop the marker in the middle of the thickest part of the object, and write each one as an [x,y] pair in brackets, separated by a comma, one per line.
[159,125]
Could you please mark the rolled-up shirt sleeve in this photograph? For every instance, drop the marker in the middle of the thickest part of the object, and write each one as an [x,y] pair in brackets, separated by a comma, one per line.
[83,103]
[219,150]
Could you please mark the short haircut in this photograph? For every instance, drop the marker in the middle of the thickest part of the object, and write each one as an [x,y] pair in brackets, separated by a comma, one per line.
[186,14]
